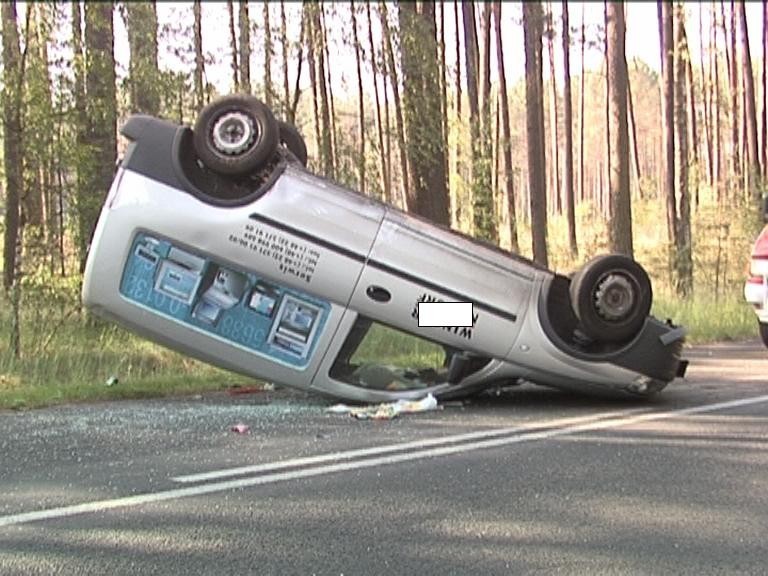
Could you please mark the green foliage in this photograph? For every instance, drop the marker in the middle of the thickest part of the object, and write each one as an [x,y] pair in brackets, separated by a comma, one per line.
[69,358]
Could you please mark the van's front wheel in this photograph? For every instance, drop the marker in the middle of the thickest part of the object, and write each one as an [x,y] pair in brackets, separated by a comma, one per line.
[236,135]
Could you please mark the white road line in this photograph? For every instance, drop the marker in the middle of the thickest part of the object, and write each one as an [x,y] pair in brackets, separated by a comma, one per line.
[387,449]
[152,497]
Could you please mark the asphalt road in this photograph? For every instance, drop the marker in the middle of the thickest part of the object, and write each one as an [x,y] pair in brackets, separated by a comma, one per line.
[530,481]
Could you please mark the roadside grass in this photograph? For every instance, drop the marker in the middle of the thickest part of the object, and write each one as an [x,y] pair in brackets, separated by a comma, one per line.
[85,360]
[709,320]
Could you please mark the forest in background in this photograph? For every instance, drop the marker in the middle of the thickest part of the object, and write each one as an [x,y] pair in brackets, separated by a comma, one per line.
[666,167]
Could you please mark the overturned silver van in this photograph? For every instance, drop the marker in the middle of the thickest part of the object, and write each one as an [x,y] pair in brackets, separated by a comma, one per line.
[219,243]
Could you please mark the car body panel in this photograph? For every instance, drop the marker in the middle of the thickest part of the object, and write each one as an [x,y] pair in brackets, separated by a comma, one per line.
[286,284]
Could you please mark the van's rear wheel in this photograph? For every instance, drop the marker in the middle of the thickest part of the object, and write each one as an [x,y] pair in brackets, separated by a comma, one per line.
[236,135]
[611,296]
[764,332]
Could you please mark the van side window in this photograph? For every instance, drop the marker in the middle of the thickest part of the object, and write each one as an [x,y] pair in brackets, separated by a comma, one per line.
[379,357]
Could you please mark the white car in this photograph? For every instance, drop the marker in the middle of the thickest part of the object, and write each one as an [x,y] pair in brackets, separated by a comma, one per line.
[218,242]
[756,287]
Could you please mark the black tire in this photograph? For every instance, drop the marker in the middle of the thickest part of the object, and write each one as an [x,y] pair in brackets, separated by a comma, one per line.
[291,138]
[611,296]
[236,135]
[763,332]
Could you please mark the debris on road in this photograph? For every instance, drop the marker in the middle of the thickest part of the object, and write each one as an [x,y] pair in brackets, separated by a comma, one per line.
[238,390]
[240,429]
[112,381]
[386,411]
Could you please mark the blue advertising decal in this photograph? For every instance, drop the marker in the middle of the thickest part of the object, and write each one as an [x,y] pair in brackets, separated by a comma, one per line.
[236,306]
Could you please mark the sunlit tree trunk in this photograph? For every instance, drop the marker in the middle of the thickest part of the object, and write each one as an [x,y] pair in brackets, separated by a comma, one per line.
[478,90]
[735,97]
[620,226]
[570,204]
[633,139]
[360,100]
[399,120]
[199,62]
[308,18]
[384,181]
[717,156]
[141,22]
[582,83]
[233,46]
[683,256]
[292,105]
[423,119]
[326,65]
[244,22]
[506,138]
[693,132]
[554,120]
[750,114]
[668,116]
[269,54]
[101,119]
[705,84]
[284,52]
[533,28]
[764,125]
[13,153]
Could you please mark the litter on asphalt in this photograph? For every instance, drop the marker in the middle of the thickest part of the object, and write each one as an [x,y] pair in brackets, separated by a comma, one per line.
[388,410]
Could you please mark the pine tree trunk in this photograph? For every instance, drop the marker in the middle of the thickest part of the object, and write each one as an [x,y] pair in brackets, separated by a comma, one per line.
[443,78]
[633,139]
[582,83]
[141,22]
[309,21]
[482,194]
[570,204]
[620,225]
[101,114]
[360,101]
[735,99]
[764,125]
[668,118]
[533,28]
[693,132]
[385,188]
[293,105]
[554,120]
[326,65]
[705,82]
[423,119]
[200,99]
[269,54]
[244,22]
[233,46]
[750,113]
[13,152]
[285,49]
[683,256]
[399,121]
[717,156]
[506,137]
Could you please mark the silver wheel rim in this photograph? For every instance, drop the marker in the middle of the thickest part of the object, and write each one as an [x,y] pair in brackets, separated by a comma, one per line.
[233,133]
[615,297]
